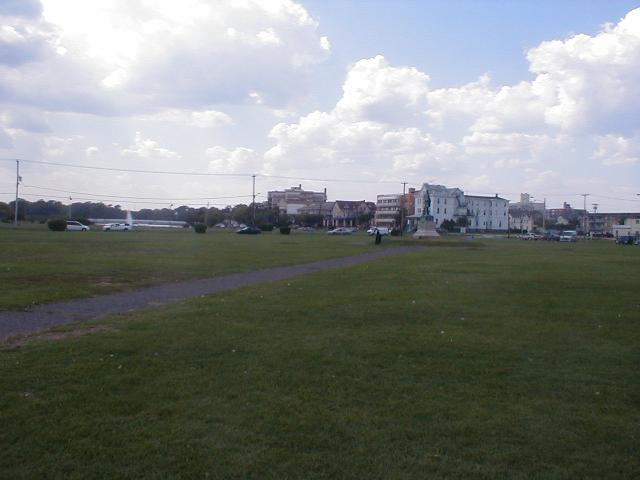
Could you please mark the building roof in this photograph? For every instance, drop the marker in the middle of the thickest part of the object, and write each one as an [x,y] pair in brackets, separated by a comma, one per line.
[485,197]
[349,204]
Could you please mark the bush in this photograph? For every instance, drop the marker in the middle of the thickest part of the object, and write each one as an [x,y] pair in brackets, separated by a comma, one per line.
[57,225]
[285,230]
[395,232]
[200,228]
[265,227]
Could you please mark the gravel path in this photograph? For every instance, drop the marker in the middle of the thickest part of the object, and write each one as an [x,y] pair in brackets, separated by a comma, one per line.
[49,315]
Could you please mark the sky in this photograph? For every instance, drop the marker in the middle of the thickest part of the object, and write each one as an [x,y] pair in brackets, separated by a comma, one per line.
[356,96]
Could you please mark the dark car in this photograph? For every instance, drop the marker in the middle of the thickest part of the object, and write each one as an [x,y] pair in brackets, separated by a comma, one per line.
[249,231]
[625,240]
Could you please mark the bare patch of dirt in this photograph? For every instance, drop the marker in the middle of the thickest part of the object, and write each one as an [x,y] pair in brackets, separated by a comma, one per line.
[21,341]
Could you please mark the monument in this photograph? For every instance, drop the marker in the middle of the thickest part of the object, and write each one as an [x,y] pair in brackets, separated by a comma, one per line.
[426,225]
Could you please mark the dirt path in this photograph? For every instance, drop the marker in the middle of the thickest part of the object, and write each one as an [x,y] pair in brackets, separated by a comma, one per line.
[52,314]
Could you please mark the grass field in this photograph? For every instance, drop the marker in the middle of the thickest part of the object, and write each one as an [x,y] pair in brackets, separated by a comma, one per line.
[466,360]
[40,266]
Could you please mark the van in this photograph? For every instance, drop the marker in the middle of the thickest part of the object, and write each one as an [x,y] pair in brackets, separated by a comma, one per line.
[569,236]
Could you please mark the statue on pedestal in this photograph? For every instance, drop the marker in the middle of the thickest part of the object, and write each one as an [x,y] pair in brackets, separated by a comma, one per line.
[426,225]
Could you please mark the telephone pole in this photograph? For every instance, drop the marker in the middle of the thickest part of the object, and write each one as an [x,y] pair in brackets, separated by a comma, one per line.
[404,189]
[15,218]
[253,216]
[585,214]
[70,199]
[205,213]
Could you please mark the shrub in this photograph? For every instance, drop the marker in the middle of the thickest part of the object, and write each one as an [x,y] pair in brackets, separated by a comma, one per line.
[265,227]
[57,225]
[285,230]
[200,228]
[395,232]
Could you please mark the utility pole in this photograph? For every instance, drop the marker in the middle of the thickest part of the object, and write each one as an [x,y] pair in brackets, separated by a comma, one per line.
[404,190]
[15,218]
[584,214]
[544,214]
[253,224]
[205,214]
[70,207]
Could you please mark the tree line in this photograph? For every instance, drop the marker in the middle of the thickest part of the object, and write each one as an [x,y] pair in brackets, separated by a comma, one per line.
[43,210]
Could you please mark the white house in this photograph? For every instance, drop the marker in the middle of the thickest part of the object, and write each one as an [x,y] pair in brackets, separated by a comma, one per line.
[479,212]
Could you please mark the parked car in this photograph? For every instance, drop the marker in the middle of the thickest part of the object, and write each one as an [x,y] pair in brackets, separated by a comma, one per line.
[382,230]
[625,240]
[340,231]
[530,236]
[249,231]
[552,236]
[116,227]
[569,236]
[73,226]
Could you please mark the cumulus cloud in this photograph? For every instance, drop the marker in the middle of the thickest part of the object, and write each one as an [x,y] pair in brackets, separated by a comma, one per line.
[55,146]
[377,91]
[370,127]
[115,57]
[617,150]
[147,148]
[25,119]
[201,119]
[582,84]
[237,160]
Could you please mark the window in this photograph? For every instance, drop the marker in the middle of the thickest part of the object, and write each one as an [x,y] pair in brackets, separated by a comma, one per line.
[438,209]
[445,210]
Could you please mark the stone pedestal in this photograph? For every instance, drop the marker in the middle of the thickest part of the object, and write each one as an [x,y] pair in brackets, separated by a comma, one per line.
[426,229]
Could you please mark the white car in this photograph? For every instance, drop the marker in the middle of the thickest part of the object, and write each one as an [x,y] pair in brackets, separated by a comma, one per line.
[340,231]
[74,226]
[382,230]
[116,227]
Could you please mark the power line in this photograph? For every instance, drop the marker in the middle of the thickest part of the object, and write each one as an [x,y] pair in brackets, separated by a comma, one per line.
[213,174]
[127,196]
[131,170]
[100,199]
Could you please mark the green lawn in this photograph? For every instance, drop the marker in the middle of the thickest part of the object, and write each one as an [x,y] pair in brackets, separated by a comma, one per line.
[40,266]
[490,360]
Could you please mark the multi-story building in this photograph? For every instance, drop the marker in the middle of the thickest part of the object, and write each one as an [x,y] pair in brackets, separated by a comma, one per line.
[526,203]
[292,200]
[604,223]
[350,213]
[630,227]
[521,220]
[564,215]
[487,213]
[388,210]
[475,211]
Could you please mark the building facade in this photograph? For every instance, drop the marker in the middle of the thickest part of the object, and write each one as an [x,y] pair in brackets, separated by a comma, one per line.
[387,210]
[521,220]
[526,203]
[478,213]
[350,213]
[603,223]
[292,200]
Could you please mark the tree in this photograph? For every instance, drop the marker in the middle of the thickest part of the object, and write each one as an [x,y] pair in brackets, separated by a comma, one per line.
[448,225]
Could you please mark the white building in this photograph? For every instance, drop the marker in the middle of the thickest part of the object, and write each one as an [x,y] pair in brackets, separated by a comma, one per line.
[292,200]
[387,210]
[479,212]
[630,227]
[488,213]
